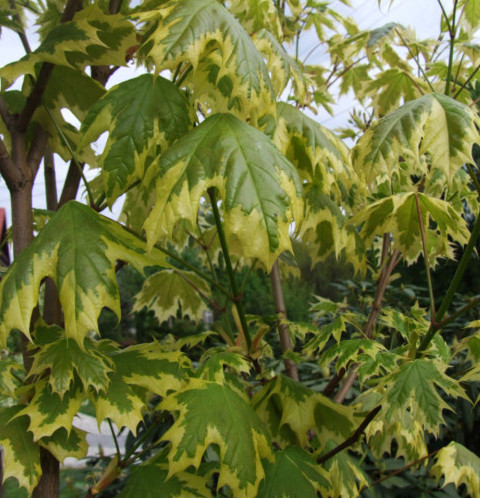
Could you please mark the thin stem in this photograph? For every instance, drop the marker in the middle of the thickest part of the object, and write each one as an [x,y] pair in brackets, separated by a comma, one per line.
[399,471]
[21,33]
[425,259]
[283,332]
[117,448]
[139,442]
[458,313]
[461,268]
[228,263]
[420,68]
[474,178]
[452,34]
[457,93]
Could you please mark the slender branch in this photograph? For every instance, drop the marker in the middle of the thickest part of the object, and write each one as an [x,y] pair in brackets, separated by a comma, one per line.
[228,263]
[37,150]
[283,332]
[425,258]
[9,172]
[400,471]
[71,184]
[445,15]
[385,274]
[7,118]
[91,199]
[474,178]
[50,180]
[352,439]
[21,33]
[334,381]
[35,97]
[458,313]
[457,93]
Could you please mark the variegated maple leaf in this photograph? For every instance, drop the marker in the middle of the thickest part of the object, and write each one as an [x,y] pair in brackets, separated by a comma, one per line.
[142,115]
[78,249]
[260,189]
[210,413]
[228,71]
[430,137]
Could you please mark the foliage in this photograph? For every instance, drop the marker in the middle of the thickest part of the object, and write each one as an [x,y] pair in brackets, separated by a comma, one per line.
[226,178]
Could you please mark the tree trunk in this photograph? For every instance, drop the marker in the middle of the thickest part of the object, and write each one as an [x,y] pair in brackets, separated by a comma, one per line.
[22,223]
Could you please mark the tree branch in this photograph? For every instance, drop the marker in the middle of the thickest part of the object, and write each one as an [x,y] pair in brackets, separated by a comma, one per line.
[352,439]
[7,167]
[35,97]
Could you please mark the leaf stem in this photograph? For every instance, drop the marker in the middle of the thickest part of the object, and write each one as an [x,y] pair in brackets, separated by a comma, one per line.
[228,263]
[457,93]
[425,259]
[115,440]
[452,33]
[461,268]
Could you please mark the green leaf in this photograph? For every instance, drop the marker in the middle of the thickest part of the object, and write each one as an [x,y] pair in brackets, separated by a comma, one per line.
[73,90]
[334,328]
[256,15]
[91,38]
[398,215]
[283,68]
[78,249]
[429,134]
[63,444]
[345,473]
[139,370]
[412,387]
[350,350]
[184,484]
[290,410]
[164,292]
[260,190]
[313,149]
[294,473]
[212,366]
[210,413]
[228,71]
[8,381]
[49,412]
[390,87]
[142,115]
[458,465]
[21,456]
[64,359]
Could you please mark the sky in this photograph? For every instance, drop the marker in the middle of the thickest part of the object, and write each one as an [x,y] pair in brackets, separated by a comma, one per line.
[423,15]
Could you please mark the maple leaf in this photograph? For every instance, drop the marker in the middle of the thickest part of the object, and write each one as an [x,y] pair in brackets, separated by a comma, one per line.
[21,456]
[260,189]
[290,410]
[78,249]
[398,215]
[92,37]
[165,291]
[412,387]
[458,465]
[211,413]
[294,473]
[431,134]
[142,115]
[228,71]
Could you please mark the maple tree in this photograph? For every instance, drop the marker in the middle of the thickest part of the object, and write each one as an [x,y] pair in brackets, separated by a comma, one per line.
[214,148]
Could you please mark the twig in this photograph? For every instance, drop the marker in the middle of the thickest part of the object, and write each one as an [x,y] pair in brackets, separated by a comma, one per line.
[352,439]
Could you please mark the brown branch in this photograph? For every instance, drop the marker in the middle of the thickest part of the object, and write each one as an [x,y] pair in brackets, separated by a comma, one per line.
[9,172]
[21,34]
[377,304]
[5,113]
[334,381]
[37,150]
[50,179]
[352,439]
[72,183]
[35,97]
[280,308]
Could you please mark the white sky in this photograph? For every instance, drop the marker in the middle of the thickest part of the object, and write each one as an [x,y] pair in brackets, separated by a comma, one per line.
[423,15]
